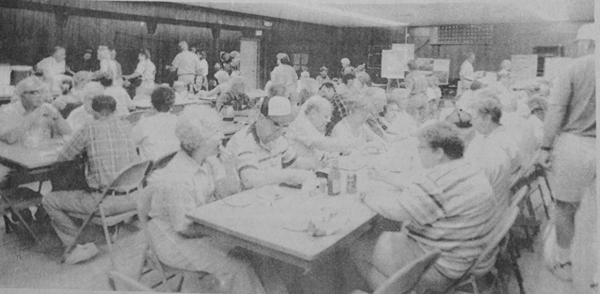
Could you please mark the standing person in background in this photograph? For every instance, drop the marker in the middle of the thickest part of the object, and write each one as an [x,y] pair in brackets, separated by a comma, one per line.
[53,68]
[119,78]
[323,77]
[85,63]
[284,74]
[506,65]
[220,74]
[416,84]
[346,68]
[108,67]
[467,74]
[145,70]
[569,148]
[202,77]
[187,65]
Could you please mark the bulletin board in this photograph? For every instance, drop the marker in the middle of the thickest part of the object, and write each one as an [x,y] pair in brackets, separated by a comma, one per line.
[394,62]
[524,67]
[439,68]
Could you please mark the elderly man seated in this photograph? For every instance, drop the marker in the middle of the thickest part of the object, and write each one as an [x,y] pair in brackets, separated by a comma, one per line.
[155,135]
[108,142]
[307,132]
[29,119]
[84,114]
[448,208]
[197,176]
[264,156]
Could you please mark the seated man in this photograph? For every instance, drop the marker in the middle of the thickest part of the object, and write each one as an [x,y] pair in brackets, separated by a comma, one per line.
[195,177]
[84,114]
[29,120]
[264,156]
[447,208]
[155,135]
[340,110]
[108,142]
[306,132]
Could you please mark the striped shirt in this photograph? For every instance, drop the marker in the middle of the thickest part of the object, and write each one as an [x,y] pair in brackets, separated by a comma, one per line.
[451,209]
[109,146]
[251,153]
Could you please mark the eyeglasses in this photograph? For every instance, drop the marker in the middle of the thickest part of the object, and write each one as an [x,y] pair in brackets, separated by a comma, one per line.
[277,124]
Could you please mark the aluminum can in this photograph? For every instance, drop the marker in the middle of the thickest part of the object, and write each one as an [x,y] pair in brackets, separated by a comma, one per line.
[351,183]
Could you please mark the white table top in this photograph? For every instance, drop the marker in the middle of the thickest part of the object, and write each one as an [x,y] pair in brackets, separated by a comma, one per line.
[275,224]
[31,158]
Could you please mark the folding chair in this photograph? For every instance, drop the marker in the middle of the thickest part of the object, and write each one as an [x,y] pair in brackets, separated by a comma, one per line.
[129,179]
[134,117]
[405,279]
[15,200]
[500,233]
[151,258]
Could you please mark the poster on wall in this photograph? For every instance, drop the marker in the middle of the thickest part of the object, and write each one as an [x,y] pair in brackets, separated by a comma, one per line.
[553,66]
[524,67]
[439,68]
[393,62]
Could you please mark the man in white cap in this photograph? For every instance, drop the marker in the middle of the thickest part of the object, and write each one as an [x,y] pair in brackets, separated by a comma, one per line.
[263,155]
[187,64]
[569,147]
[323,77]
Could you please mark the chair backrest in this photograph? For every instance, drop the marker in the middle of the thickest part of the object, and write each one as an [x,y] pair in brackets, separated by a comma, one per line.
[404,280]
[126,283]
[131,176]
[499,232]
[134,117]
[163,161]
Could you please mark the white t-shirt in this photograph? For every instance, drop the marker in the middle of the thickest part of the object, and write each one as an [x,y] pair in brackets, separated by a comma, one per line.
[344,131]
[50,65]
[203,67]
[124,102]
[186,62]
[155,135]
[221,76]
[148,70]
[302,134]
[78,118]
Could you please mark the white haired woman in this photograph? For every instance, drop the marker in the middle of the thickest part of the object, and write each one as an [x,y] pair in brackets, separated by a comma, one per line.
[201,172]
[354,127]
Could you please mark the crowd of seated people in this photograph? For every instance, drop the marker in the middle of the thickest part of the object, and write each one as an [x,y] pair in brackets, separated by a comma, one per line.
[472,149]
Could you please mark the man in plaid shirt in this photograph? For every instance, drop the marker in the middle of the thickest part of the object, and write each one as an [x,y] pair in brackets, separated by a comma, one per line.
[338,102]
[108,142]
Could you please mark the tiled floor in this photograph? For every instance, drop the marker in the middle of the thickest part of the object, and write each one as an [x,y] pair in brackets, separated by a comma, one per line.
[23,266]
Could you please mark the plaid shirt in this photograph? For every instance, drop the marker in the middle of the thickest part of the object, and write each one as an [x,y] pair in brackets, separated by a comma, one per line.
[109,146]
[340,110]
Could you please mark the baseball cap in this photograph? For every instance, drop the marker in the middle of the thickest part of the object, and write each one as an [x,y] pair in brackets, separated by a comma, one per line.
[587,31]
[323,69]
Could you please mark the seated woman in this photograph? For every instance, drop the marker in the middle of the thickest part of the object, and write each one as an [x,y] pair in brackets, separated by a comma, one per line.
[354,127]
[194,177]
[399,122]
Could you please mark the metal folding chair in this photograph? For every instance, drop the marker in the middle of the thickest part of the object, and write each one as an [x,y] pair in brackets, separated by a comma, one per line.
[129,178]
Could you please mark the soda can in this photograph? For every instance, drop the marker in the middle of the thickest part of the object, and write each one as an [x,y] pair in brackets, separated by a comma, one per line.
[351,183]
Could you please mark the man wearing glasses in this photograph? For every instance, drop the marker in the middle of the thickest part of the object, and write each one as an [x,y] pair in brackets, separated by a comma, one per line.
[30,119]
[263,155]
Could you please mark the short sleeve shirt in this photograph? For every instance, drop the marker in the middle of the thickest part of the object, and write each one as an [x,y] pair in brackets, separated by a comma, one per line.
[54,68]
[302,134]
[148,70]
[251,153]
[186,62]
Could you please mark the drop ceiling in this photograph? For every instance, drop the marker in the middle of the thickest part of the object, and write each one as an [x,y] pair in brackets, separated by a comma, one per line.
[386,13]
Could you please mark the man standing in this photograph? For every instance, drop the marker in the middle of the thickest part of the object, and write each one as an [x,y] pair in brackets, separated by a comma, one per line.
[467,74]
[186,63]
[53,67]
[201,79]
[416,85]
[323,77]
[108,142]
[569,146]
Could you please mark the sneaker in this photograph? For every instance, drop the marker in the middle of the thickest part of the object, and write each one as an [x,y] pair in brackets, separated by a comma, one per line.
[82,253]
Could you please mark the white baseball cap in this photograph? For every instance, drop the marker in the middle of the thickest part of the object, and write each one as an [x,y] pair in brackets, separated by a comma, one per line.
[588,31]
[279,106]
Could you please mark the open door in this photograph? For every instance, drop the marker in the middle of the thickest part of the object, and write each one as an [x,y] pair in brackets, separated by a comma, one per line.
[249,51]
